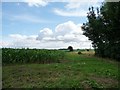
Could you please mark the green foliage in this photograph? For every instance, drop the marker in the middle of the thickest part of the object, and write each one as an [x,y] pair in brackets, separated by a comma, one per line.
[103,29]
[79,52]
[10,56]
[70,48]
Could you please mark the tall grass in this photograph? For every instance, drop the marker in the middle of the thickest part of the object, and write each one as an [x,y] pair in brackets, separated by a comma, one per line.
[10,56]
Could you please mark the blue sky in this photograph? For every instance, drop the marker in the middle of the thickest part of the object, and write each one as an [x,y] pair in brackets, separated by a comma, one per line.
[43,24]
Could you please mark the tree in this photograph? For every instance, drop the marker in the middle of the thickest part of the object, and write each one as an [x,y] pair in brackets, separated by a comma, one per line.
[70,48]
[111,12]
[92,29]
[103,29]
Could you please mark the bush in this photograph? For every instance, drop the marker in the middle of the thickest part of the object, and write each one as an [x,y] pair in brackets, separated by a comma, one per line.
[87,49]
[79,52]
[70,48]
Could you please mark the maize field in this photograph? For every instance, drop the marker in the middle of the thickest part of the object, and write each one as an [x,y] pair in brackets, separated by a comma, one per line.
[11,56]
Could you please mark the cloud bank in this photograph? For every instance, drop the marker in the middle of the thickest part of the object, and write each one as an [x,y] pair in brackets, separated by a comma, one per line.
[65,34]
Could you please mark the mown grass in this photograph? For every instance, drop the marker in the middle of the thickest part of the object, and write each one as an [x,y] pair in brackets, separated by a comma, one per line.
[76,71]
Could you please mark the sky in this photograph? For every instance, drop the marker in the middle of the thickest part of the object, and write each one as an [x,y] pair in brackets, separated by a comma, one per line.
[44,24]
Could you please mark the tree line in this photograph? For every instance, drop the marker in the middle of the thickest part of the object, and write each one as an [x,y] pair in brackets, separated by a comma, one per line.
[103,29]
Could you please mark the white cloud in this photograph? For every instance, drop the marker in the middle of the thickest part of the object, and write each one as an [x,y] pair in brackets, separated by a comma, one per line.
[65,34]
[68,27]
[69,13]
[22,37]
[77,8]
[18,36]
[31,37]
[46,33]
[36,3]
[23,41]
[72,5]
[27,18]
[5,44]
[69,32]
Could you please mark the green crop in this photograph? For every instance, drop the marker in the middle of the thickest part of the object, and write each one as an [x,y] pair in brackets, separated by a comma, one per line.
[11,56]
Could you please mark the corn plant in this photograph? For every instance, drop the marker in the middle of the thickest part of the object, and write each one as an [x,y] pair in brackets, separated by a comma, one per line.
[11,56]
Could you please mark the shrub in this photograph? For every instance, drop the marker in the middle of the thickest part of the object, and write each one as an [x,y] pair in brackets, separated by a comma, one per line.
[87,49]
[70,48]
[79,52]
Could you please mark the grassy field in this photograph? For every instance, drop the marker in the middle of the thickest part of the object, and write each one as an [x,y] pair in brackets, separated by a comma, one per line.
[75,71]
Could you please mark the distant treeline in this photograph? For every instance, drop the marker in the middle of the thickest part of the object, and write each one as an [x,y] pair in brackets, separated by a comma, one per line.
[103,29]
